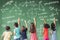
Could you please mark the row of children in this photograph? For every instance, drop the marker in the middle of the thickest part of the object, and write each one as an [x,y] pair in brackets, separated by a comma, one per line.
[22,34]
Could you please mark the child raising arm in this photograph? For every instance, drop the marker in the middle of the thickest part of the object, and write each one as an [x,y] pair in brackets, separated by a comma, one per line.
[24,31]
[53,30]
[33,34]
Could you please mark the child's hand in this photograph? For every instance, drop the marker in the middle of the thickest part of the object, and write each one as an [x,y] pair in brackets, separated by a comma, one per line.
[25,21]
[44,20]
[18,20]
[55,21]
[51,32]
[35,21]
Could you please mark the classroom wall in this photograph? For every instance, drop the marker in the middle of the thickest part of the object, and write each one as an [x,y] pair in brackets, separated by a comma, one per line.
[27,10]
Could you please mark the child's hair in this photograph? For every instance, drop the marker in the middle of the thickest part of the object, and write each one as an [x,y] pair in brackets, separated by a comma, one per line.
[46,26]
[23,28]
[32,28]
[16,24]
[7,28]
[53,26]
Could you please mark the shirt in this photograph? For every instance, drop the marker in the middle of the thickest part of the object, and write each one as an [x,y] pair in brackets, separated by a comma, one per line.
[24,34]
[45,32]
[17,33]
[7,35]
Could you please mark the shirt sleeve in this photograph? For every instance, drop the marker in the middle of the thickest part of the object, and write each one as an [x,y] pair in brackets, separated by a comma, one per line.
[14,31]
[3,34]
[11,33]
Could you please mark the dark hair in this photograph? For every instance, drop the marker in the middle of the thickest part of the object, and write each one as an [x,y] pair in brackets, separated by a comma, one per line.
[46,26]
[53,27]
[7,28]
[23,26]
[16,24]
[32,28]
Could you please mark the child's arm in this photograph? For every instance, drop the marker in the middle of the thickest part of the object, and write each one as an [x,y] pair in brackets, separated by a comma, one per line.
[18,21]
[11,33]
[55,21]
[2,35]
[35,21]
[44,21]
[14,32]
[26,24]
[51,32]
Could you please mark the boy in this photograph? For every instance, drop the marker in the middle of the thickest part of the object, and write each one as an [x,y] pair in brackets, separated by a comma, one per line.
[7,34]
[24,32]
[17,31]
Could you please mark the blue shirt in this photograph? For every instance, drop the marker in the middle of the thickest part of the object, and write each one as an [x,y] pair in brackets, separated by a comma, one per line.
[24,34]
[17,33]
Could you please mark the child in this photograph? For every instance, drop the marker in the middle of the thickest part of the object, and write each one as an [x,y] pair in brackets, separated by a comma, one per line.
[7,34]
[53,28]
[45,29]
[33,35]
[17,31]
[24,32]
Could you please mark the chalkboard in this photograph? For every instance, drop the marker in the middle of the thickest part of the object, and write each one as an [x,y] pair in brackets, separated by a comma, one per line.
[27,10]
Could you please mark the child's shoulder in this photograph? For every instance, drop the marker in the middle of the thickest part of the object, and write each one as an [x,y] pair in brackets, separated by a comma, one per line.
[4,32]
[17,29]
[45,28]
[9,32]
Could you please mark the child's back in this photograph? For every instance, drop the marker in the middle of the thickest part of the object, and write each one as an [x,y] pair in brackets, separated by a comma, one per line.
[46,36]
[7,35]
[33,35]
[24,33]
[46,32]
[17,33]
[53,28]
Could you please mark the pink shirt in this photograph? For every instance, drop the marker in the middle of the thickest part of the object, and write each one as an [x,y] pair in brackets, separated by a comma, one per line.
[45,32]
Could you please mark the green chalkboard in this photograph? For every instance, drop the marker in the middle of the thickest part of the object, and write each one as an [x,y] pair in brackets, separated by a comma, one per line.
[27,10]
